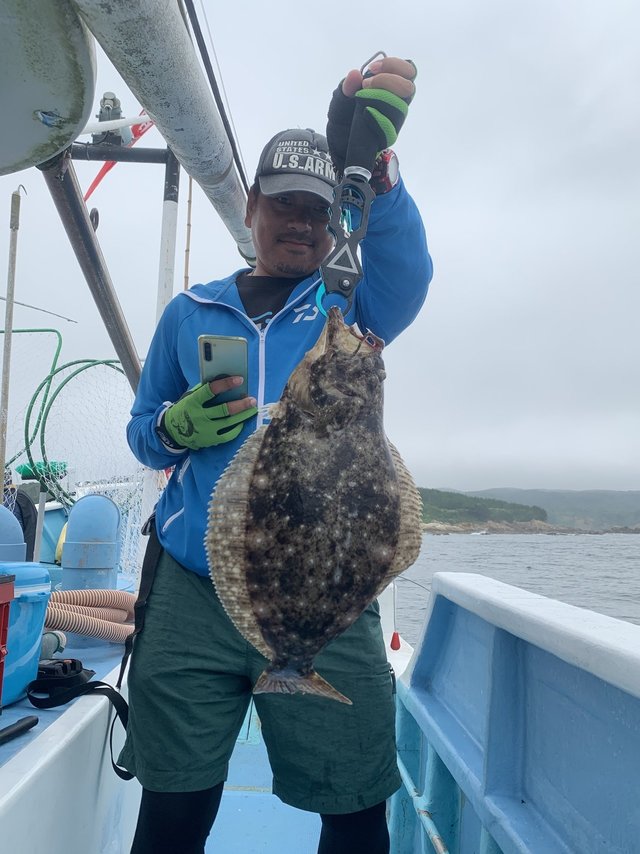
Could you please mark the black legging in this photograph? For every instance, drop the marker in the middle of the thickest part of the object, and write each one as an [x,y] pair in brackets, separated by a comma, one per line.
[179,823]
[175,822]
[362,832]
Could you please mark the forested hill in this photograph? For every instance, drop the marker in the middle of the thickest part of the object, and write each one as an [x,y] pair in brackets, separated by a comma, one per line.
[588,510]
[458,508]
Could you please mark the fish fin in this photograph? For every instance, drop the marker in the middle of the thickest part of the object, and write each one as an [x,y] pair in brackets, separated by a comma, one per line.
[289,682]
[224,540]
[410,533]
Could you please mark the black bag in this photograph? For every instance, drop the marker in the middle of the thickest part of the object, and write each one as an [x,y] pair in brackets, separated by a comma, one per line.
[61,680]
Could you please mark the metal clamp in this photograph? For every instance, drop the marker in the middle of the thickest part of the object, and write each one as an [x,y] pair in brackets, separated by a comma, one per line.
[341,270]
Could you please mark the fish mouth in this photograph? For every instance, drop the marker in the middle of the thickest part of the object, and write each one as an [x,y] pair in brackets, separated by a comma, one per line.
[348,357]
[349,338]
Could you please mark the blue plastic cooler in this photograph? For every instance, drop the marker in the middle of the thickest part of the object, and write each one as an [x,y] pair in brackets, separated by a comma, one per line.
[32,589]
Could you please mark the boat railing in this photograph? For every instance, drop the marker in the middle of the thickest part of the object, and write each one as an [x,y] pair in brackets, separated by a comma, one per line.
[518,726]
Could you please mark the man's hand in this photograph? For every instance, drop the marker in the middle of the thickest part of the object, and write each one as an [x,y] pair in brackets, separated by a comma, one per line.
[367,112]
[196,421]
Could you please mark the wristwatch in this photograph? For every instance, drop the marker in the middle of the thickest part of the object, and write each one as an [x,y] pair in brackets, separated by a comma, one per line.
[386,172]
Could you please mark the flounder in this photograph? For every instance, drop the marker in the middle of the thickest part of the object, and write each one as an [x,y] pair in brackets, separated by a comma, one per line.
[316,513]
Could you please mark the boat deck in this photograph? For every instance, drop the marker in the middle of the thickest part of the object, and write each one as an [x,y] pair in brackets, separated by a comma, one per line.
[247,803]
[266,824]
[70,748]
[518,733]
[101,657]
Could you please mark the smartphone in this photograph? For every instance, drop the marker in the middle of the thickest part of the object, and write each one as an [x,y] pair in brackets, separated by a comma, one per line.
[224,356]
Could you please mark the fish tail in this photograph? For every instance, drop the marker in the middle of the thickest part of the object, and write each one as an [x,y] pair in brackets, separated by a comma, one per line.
[291,682]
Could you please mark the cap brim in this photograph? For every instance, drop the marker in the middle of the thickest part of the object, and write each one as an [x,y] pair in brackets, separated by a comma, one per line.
[271,185]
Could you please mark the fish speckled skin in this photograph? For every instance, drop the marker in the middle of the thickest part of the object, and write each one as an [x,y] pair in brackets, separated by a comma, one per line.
[315,515]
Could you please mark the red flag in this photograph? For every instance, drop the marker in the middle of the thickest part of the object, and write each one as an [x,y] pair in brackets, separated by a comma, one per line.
[137,131]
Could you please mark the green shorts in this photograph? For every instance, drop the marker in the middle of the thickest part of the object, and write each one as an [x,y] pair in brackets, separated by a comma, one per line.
[190,685]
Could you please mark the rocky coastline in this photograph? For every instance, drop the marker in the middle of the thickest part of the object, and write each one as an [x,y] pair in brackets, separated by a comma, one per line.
[533,527]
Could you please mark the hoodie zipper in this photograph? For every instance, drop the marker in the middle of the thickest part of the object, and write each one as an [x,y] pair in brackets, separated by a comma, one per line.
[263,411]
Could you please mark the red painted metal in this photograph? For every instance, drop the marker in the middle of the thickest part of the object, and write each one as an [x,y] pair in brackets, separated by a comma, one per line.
[6,597]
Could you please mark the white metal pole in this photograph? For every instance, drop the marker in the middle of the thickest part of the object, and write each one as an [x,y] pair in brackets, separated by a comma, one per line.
[187,248]
[114,124]
[14,225]
[37,545]
[168,231]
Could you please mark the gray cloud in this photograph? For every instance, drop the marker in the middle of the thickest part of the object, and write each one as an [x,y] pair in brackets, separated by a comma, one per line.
[521,150]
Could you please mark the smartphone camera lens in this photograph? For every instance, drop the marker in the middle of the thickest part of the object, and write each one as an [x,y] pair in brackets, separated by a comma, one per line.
[207,351]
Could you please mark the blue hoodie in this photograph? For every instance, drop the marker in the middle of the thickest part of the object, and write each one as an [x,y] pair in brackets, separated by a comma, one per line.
[397,270]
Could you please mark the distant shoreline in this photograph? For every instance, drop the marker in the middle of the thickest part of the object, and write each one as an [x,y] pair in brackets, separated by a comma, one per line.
[534,527]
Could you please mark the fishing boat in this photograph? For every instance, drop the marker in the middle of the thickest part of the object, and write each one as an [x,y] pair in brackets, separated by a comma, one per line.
[518,717]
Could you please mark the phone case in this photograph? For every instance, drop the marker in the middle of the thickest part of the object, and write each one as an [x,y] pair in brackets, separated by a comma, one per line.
[224,356]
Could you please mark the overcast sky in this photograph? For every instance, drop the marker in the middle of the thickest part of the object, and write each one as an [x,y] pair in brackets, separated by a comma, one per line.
[522,151]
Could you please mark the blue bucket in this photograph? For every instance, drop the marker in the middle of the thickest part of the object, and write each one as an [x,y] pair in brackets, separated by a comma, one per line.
[12,544]
[32,589]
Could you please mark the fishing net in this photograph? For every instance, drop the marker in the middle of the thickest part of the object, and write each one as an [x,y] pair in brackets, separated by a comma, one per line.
[66,436]
[34,353]
[82,410]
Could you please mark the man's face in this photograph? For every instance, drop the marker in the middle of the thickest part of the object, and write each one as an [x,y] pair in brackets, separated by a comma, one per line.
[289,233]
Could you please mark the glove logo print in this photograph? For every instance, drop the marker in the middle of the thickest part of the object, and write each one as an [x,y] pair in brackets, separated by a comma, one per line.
[299,155]
[185,428]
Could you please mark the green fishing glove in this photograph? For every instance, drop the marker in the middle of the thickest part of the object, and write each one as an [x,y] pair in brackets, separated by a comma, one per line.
[362,126]
[196,422]
[378,117]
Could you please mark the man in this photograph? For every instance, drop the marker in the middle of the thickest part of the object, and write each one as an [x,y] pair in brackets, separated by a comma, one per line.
[23,509]
[191,671]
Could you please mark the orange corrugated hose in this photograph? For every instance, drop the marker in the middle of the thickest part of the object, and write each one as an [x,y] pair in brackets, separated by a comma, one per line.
[103,614]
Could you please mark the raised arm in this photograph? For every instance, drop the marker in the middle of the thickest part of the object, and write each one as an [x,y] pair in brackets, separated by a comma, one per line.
[365,116]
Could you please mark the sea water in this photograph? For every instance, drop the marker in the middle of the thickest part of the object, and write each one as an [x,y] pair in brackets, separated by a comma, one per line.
[596,571]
